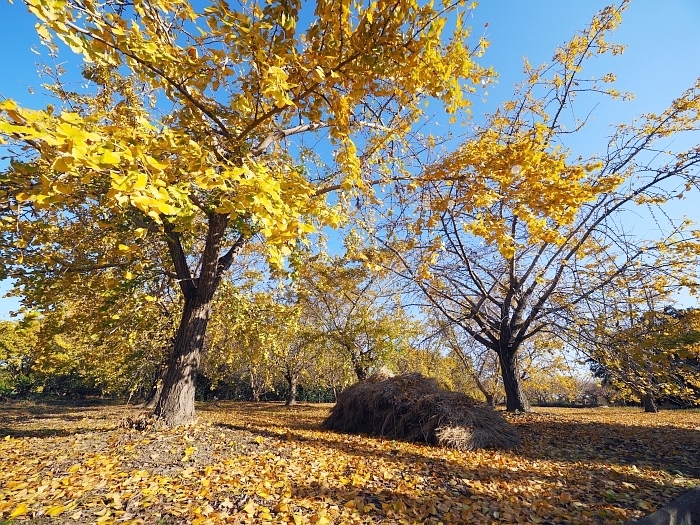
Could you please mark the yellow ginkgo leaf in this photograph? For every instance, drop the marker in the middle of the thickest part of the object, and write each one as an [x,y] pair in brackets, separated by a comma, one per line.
[20,510]
[62,164]
[249,508]
[109,157]
[55,510]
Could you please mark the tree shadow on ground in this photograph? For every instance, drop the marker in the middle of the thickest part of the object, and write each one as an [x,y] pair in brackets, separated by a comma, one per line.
[48,432]
[592,451]
[301,420]
[666,448]
[56,417]
[43,404]
[562,470]
[51,408]
[448,491]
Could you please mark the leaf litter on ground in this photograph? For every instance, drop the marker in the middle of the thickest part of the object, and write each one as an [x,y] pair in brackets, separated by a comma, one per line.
[265,463]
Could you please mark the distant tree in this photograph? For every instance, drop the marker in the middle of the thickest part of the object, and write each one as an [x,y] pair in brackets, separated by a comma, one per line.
[18,354]
[479,366]
[248,328]
[358,310]
[656,356]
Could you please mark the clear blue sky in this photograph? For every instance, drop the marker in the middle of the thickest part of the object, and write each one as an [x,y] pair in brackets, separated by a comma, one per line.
[662,57]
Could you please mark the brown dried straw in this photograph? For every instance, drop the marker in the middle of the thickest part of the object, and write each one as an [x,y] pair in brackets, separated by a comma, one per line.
[414,408]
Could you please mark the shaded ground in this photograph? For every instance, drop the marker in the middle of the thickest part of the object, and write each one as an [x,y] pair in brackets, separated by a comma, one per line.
[264,463]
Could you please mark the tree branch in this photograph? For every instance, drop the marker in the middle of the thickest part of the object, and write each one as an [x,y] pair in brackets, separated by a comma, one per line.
[177,255]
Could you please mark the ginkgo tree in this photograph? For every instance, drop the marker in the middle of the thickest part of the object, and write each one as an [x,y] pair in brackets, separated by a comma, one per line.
[510,232]
[116,342]
[635,339]
[478,366]
[182,145]
[358,310]
[258,332]
[17,354]
[655,357]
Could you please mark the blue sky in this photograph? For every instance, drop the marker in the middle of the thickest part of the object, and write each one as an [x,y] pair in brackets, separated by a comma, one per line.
[662,57]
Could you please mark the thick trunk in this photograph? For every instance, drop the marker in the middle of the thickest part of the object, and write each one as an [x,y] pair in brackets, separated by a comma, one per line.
[292,380]
[176,404]
[515,396]
[649,403]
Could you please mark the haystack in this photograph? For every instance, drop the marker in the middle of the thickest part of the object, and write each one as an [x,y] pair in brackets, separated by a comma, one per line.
[414,408]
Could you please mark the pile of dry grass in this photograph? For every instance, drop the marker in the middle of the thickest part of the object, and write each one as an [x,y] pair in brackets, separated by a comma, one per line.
[414,408]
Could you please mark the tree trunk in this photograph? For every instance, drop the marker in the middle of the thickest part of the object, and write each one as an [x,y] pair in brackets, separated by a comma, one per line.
[292,380]
[176,404]
[155,394]
[649,403]
[254,387]
[490,397]
[360,371]
[515,396]
[156,389]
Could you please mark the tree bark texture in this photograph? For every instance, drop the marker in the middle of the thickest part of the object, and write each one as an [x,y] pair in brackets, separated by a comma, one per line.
[176,404]
[154,395]
[360,370]
[292,380]
[490,397]
[516,400]
[649,403]
[156,389]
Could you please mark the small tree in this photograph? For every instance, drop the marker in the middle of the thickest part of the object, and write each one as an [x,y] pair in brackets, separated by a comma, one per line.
[248,329]
[478,364]
[18,354]
[358,310]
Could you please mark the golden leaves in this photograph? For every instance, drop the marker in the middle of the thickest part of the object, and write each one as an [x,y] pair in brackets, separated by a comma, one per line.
[493,177]
[109,158]
[172,132]
[189,451]
[275,84]
[591,41]
[20,510]
[574,465]
[649,356]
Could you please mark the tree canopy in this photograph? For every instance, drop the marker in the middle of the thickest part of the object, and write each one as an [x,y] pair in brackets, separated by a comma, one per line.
[506,235]
[207,137]
[179,153]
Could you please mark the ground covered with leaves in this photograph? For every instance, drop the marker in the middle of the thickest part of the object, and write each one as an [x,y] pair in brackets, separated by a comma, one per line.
[264,463]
